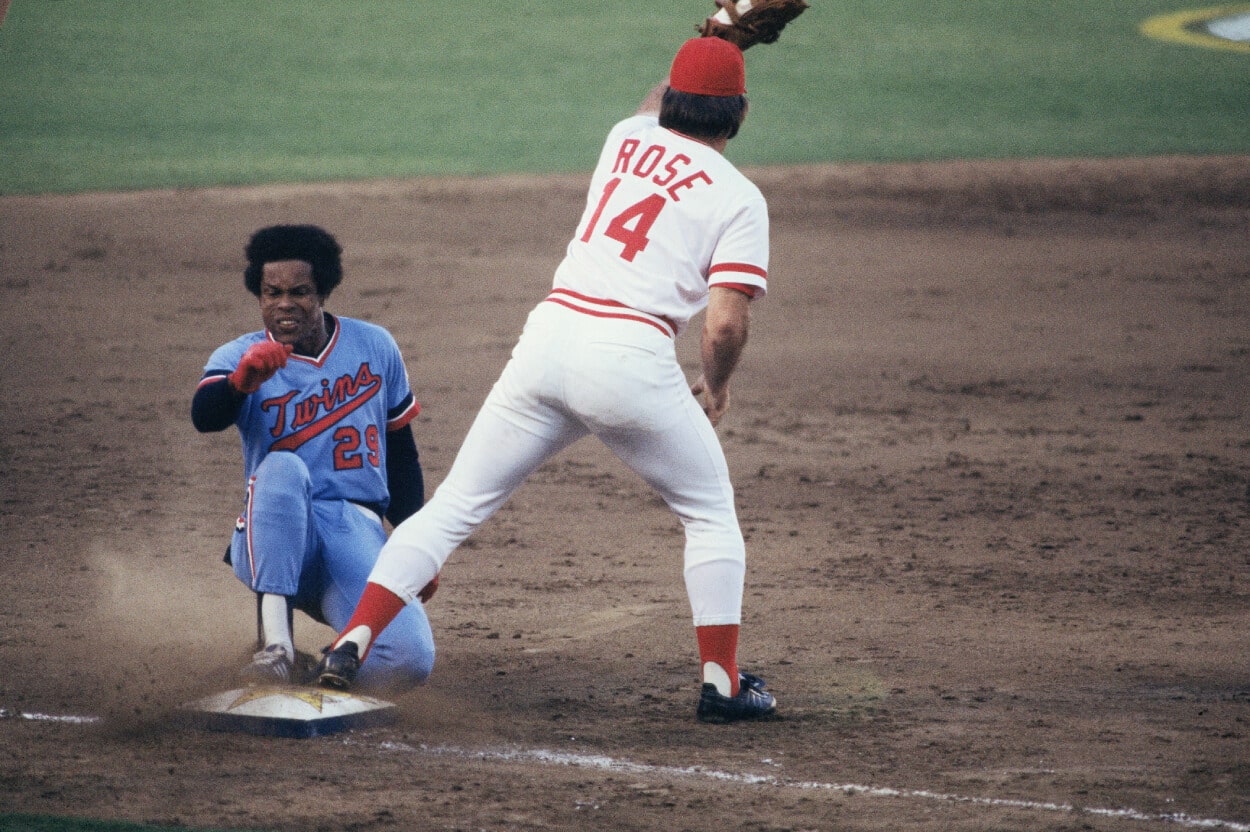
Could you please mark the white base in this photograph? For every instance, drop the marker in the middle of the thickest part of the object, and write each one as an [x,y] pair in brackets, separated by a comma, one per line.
[282,711]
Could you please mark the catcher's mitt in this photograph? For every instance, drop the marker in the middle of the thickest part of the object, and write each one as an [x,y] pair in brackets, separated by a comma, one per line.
[747,23]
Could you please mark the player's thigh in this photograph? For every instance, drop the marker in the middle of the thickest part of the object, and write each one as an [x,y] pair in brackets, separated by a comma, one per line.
[350,538]
[276,538]
[516,431]
[682,459]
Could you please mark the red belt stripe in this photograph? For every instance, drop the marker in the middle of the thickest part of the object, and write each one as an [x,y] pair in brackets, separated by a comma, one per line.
[570,300]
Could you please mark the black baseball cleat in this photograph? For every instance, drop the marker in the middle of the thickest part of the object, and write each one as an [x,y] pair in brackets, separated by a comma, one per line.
[752,702]
[338,666]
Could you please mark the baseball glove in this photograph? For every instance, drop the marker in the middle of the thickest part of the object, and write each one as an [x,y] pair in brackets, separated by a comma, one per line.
[747,23]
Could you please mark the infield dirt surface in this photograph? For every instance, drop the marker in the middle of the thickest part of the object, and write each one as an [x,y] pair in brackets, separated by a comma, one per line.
[991,443]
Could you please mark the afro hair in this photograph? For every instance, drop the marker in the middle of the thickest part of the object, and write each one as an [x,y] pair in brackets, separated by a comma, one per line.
[314,245]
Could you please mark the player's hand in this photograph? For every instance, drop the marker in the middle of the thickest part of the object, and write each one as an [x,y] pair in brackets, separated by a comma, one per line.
[258,365]
[427,591]
[714,403]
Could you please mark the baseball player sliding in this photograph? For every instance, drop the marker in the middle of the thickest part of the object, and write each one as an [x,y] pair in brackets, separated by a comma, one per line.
[323,406]
[670,228]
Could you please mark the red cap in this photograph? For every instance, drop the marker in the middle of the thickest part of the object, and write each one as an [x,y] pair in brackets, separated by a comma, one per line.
[708,66]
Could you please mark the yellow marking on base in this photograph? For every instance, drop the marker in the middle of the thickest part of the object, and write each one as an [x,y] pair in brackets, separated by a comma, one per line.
[313,697]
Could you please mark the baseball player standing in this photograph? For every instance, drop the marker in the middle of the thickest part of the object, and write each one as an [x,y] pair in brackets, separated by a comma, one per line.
[322,404]
[670,227]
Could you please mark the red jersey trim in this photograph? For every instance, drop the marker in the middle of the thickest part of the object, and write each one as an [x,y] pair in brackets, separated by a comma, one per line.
[404,418]
[586,305]
[211,380]
[749,291]
[742,268]
[251,558]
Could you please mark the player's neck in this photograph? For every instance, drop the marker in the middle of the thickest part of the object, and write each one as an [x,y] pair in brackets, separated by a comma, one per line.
[312,350]
[718,145]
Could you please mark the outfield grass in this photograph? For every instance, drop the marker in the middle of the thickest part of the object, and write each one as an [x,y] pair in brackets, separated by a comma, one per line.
[147,93]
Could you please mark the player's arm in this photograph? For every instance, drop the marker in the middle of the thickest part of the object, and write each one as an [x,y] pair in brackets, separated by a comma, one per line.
[725,330]
[220,395]
[407,486]
[650,105]
[216,404]
[404,478]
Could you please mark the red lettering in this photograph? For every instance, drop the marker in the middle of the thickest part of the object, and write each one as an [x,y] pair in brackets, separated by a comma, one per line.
[647,163]
[629,161]
[630,227]
[374,445]
[680,159]
[608,190]
[347,395]
[688,182]
[624,155]
[346,441]
[328,400]
[642,215]
[280,403]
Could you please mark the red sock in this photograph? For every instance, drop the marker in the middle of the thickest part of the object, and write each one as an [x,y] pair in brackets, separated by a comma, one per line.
[719,644]
[377,607]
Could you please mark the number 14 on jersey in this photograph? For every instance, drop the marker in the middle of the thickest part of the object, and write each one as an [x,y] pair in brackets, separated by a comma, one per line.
[629,227]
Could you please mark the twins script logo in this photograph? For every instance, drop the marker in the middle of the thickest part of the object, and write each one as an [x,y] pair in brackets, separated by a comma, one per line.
[317,413]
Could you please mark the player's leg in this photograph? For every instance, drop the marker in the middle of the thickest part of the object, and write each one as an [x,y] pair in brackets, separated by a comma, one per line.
[402,656]
[633,394]
[652,423]
[683,461]
[511,436]
[685,465]
[518,428]
[274,541]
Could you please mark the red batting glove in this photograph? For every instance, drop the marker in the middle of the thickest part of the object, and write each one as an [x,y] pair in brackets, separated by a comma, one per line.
[427,591]
[258,365]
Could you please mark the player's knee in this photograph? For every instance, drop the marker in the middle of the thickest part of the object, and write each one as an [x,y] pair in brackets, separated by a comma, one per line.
[461,513]
[282,485]
[397,666]
[715,533]
[282,468]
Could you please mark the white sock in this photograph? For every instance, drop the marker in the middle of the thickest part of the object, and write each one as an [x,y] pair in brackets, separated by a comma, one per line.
[361,635]
[714,674]
[275,622]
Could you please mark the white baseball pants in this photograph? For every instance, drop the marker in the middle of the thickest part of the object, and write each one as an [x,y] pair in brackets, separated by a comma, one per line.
[573,374]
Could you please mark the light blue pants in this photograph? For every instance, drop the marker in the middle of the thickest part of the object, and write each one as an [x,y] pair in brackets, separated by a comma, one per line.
[319,554]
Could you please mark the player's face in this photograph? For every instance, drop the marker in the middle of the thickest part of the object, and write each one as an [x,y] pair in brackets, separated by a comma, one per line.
[291,307]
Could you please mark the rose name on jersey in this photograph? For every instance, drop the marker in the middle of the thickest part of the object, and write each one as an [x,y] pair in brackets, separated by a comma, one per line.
[644,165]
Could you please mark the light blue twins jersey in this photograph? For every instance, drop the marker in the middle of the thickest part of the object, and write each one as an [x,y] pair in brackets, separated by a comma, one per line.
[332,410]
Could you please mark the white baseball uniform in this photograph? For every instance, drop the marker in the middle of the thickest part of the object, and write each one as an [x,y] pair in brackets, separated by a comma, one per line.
[666,217]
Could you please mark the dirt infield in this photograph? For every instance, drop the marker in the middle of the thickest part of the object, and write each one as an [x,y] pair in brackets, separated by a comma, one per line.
[991,440]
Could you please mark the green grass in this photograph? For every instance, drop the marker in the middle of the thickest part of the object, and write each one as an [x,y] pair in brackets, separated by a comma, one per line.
[146,93]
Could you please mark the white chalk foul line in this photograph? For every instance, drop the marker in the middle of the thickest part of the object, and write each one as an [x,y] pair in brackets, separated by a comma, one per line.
[604,763]
[6,713]
[558,758]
